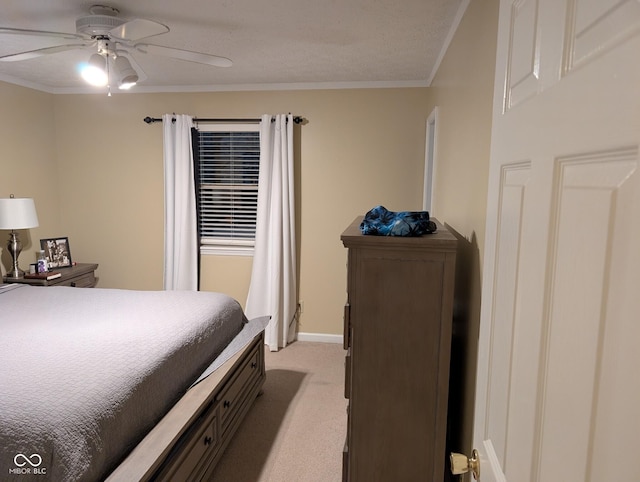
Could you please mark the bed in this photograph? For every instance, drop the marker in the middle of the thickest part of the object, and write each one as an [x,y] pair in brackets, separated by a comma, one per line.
[122,385]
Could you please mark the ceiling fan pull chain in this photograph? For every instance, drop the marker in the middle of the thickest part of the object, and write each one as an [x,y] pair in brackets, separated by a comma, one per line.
[108,77]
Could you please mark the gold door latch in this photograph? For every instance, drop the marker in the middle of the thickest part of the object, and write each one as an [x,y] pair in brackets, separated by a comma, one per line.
[460,464]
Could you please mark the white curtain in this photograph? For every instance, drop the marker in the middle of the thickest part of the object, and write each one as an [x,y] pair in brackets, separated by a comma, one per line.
[273,288]
[180,228]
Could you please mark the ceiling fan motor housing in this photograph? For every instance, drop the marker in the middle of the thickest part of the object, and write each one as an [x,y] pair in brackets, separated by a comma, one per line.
[95,25]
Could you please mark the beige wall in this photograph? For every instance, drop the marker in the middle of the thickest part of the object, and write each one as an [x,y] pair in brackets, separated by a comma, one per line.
[358,149]
[28,164]
[463,92]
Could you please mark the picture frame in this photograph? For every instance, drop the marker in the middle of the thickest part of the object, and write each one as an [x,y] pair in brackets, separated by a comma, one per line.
[57,251]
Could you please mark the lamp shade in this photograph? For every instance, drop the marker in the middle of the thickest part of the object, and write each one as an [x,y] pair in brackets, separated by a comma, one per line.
[128,76]
[18,213]
[95,71]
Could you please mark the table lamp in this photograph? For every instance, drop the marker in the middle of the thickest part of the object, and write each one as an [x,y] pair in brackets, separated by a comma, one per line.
[17,213]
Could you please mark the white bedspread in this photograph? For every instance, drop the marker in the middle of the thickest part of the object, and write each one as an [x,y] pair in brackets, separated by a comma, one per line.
[85,373]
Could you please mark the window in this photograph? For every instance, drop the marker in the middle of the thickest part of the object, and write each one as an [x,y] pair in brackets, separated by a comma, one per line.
[227,161]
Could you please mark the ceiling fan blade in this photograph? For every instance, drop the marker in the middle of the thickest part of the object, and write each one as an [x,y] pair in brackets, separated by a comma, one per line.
[137,29]
[186,55]
[31,54]
[41,33]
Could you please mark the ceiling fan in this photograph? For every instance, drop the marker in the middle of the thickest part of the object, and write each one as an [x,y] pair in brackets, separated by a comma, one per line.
[114,39]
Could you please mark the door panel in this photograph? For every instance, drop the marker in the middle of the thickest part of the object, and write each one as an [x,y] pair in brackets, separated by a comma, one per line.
[523,66]
[593,26]
[512,192]
[583,214]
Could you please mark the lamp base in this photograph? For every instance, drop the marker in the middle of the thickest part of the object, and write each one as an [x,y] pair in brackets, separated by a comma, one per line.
[12,274]
[15,247]
[15,274]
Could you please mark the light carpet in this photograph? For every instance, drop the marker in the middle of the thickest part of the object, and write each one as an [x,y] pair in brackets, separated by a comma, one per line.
[296,429]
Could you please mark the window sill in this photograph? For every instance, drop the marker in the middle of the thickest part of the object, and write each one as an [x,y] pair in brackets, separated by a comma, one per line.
[227,250]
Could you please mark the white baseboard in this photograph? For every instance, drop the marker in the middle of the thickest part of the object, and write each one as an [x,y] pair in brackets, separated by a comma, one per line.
[320,337]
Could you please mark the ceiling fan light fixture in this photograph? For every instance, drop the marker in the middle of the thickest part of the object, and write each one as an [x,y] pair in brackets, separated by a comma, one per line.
[126,85]
[95,71]
[128,76]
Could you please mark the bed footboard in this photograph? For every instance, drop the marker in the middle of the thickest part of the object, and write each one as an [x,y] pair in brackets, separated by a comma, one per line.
[188,442]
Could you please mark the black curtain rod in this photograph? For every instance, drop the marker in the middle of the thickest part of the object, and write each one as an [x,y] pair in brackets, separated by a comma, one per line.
[151,120]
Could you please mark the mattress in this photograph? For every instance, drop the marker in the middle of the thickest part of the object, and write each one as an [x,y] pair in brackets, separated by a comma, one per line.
[86,373]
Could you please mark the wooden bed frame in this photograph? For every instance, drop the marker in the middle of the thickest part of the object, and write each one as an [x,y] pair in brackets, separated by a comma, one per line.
[188,442]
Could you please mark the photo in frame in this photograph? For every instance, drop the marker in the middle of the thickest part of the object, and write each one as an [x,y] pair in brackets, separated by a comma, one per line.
[57,252]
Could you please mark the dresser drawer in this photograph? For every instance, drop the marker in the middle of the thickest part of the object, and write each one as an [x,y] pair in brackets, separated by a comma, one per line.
[84,281]
[199,447]
[244,380]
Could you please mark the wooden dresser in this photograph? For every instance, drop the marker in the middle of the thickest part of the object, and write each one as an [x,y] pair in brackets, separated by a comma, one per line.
[397,333]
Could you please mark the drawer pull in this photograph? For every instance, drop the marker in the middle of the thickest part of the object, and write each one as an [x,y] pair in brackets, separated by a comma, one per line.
[73,284]
[208,440]
[226,404]
[254,364]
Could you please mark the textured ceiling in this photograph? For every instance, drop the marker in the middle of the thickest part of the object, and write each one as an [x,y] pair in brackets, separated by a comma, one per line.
[273,44]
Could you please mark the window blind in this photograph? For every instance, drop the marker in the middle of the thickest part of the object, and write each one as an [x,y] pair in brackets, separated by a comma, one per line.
[228,170]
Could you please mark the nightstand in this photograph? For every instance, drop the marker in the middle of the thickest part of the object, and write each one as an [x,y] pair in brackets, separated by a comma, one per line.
[82,275]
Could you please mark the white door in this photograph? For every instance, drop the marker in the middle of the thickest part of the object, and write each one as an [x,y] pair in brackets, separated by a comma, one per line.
[558,387]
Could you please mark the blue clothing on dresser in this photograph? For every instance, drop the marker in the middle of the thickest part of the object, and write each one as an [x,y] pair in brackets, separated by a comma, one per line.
[382,222]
